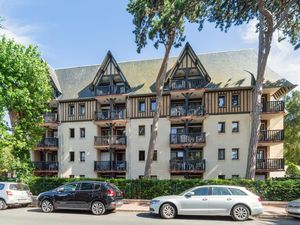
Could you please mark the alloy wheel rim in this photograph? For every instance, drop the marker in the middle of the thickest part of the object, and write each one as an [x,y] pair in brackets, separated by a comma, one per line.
[241,213]
[46,206]
[97,208]
[168,210]
[1,204]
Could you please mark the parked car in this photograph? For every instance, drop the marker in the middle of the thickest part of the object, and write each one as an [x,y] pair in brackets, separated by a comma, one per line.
[14,194]
[293,208]
[96,196]
[216,200]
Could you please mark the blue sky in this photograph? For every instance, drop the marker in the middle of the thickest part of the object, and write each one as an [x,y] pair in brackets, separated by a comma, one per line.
[80,32]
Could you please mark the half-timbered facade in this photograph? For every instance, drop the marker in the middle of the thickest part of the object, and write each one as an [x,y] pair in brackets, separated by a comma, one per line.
[105,115]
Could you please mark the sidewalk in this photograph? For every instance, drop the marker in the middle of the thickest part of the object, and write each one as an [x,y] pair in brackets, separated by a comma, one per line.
[271,209]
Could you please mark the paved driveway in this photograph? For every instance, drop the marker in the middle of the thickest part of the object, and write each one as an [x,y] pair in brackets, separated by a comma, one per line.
[33,216]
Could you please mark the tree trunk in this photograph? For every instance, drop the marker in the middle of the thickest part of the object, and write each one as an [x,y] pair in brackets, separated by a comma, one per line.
[264,47]
[160,81]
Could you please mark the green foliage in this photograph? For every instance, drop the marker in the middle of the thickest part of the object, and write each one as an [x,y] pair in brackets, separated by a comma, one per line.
[293,171]
[272,190]
[159,20]
[292,128]
[24,95]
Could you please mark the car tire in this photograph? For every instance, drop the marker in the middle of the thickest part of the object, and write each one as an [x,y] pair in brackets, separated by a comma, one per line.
[240,213]
[168,211]
[98,208]
[2,204]
[47,206]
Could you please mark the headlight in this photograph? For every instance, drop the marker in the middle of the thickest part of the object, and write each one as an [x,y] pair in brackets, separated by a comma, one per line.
[154,202]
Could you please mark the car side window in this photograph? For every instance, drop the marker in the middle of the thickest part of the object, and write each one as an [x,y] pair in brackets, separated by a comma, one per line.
[1,186]
[236,191]
[69,187]
[220,191]
[86,186]
[201,191]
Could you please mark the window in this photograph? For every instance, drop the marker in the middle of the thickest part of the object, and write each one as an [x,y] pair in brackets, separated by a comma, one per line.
[72,132]
[81,109]
[236,191]
[82,132]
[1,186]
[69,187]
[142,155]
[235,100]
[155,155]
[220,191]
[222,177]
[142,106]
[82,176]
[82,156]
[221,127]
[71,176]
[142,130]
[235,127]
[97,186]
[235,154]
[153,105]
[235,176]
[152,177]
[221,154]
[72,156]
[86,186]
[71,110]
[201,191]
[221,101]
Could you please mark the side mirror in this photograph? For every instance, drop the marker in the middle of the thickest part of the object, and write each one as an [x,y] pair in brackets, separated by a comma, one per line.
[189,194]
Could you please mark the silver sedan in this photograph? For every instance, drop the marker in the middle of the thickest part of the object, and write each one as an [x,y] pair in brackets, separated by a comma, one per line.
[217,200]
[293,208]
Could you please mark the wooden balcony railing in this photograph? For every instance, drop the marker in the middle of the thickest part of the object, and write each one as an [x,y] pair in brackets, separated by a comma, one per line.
[48,142]
[186,84]
[110,140]
[192,110]
[187,165]
[187,138]
[110,166]
[271,136]
[272,106]
[50,117]
[46,166]
[119,114]
[270,164]
[108,90]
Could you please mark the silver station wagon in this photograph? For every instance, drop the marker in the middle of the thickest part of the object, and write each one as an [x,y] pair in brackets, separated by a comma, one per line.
[211,200]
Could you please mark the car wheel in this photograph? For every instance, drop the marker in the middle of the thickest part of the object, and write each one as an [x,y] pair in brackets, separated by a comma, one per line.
[240,213]
[47,206]
[2,204]
[168,211]
[98,208]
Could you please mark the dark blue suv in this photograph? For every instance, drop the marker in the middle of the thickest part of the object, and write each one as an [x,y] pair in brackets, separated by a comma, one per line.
[96,196]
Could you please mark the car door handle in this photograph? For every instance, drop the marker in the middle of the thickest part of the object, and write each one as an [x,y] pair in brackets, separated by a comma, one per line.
[204,199]
[229,199]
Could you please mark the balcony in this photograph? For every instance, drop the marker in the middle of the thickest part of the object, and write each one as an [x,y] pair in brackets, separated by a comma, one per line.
[192,110]
[186,84]
[269,164]
[187,166]
[272,106]
[111,90]
[48,143]
[46,166]
[113,141]
[110,166]
[104,115]
[191,140]
[50,117]
[271,136]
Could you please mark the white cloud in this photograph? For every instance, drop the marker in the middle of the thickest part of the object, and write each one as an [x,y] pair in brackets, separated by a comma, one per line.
[283,58]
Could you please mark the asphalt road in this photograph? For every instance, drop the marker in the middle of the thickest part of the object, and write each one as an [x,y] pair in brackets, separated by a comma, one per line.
[33,216]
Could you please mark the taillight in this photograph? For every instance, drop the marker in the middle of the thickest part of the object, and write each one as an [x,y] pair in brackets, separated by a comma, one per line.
[259,199]
[111,193]
[9,193]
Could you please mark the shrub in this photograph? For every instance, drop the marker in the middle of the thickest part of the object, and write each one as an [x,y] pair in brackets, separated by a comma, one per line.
[293,171]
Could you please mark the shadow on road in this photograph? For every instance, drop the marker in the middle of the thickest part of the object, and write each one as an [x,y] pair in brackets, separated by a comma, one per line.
[208,218]
[63,211]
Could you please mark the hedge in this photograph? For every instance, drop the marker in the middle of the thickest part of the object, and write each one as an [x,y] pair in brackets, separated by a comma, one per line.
[271,190]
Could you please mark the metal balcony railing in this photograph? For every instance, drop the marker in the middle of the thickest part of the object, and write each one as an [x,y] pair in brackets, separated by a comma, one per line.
[192,110]
[110,140]
[118,114]
[272,106]
[186,84]
[110,166]
[187,165]
[46,166]
[270,164]
[187,138]
[271,136]
[48,142]
[50,117]
[108,90]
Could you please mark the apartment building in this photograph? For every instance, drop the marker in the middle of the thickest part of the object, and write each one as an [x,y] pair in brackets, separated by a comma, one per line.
[105,114]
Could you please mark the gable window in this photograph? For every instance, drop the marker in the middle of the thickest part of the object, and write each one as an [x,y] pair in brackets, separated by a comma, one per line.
[142,155]
[221,127]
[72,156]
[82,132]
[235,154]
[235,126]
[142,130]
[153,105]
[221,101]
[72,132]
[235,100]
[71,110]
[142,106]
[82,156]
[82,109]
[221,154]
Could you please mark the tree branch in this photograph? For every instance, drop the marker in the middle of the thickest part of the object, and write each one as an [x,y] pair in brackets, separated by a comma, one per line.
[284,14]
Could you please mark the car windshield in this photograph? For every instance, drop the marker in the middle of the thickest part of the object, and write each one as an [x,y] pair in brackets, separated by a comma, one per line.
[186,191]
[18,187]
